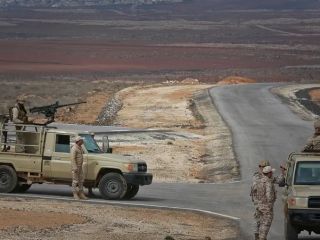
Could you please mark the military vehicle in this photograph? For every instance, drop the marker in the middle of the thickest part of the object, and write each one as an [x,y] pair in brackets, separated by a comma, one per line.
[302,195]
[44,157]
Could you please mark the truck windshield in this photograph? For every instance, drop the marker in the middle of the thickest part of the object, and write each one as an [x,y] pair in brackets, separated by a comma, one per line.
[307,173]
[90,144]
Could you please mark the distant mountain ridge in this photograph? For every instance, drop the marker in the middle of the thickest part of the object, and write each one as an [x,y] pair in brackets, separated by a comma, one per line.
[76,3]
[183,5]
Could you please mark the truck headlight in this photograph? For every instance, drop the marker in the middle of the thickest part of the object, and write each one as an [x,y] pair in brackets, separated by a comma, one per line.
[132,167]
[296,202]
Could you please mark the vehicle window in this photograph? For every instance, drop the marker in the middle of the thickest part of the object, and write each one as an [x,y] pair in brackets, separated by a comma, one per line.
[62,143]
[307,173]
[90,144]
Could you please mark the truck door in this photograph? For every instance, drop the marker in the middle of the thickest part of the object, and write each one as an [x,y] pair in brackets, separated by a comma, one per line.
[61,158]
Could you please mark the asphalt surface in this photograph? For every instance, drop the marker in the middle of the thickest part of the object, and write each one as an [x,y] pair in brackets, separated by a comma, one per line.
[263,128]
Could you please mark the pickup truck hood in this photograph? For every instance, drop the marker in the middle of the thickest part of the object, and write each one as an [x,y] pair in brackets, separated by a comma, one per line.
[113,158]
[306,190]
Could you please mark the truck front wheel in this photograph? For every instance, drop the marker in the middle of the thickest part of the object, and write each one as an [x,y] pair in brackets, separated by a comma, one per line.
[21,188]
[112,186]
[290,232]
[132,191]
[8,179]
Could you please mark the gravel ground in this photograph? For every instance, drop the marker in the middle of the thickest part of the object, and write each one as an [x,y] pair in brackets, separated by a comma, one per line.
[47,219]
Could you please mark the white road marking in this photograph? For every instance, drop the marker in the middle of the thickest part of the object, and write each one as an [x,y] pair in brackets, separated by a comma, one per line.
[122,204]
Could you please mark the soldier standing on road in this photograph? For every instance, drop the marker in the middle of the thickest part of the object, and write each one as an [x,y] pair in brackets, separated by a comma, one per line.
[280,180]
[313,144]
[77,172]
[264,198]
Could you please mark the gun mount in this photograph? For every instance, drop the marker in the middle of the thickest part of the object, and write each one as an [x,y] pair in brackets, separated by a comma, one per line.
[50,110]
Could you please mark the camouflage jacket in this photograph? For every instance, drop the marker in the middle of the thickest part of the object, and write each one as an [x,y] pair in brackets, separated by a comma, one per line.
[76,157]
[257,176]
[19,114]
[264,193]
[313,144]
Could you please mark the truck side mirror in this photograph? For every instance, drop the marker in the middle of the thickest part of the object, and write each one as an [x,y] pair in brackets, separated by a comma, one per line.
[105,145]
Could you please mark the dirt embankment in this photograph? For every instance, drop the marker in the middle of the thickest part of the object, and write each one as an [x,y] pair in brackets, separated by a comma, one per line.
[315,95]
[300,106]
[48,220]
[236,80]
[197,144]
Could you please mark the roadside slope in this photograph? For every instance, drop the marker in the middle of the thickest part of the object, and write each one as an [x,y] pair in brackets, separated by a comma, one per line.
[197,144]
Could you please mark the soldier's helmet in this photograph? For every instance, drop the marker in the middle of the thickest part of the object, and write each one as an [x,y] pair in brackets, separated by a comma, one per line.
[264,163]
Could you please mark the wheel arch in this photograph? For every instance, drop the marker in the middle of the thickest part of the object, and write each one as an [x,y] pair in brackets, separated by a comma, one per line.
[8,164]
[104,171]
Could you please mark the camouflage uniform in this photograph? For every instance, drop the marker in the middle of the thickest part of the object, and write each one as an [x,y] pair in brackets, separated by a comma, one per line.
[257,176]
[77,172]
[19,116]
[313,144]
[264,197]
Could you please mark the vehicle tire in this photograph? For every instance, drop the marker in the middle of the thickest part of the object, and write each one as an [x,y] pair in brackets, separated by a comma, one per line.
[289,231]
[112,186]
[21,188]
[8,179]
[132,191]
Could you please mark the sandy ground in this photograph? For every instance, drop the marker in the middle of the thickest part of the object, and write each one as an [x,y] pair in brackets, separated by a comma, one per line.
[42,219]
[197,144]
[315,95]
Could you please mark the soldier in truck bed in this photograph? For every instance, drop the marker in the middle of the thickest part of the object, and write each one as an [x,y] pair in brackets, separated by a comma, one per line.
[313,144]
[18,115]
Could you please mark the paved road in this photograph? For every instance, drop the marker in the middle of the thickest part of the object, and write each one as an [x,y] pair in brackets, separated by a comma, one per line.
[263,128]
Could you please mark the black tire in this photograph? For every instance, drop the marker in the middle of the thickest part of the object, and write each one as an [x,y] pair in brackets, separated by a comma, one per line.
[132,191]
[21,188]
[290,232]
[8,179]
[112,186]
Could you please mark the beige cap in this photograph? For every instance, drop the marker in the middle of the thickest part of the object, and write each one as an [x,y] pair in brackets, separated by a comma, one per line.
[20,99]
[78,138]
[268,169]
[264,163]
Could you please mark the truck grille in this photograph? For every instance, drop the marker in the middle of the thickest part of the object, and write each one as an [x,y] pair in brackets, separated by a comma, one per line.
[142,167]
[314,202]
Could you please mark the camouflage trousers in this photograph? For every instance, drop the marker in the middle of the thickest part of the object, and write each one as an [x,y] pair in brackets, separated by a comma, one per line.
[263,217]
[77,180]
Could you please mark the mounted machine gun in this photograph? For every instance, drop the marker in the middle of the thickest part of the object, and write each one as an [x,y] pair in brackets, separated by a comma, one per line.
[50,110]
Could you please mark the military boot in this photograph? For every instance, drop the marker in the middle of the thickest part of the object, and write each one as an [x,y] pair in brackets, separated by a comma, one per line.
[76,196]
[82,195]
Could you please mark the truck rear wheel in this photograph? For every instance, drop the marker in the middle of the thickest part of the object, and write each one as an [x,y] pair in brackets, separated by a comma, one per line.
[290,232]
[8,179]
[132,191]
[112,186]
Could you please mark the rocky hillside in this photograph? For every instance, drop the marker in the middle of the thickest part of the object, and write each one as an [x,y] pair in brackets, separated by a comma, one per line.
[75,3]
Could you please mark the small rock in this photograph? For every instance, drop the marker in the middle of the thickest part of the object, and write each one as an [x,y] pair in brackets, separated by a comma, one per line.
[169,238]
